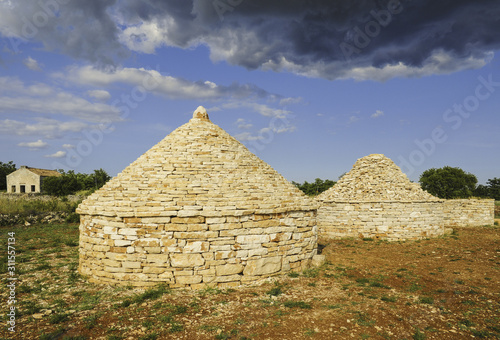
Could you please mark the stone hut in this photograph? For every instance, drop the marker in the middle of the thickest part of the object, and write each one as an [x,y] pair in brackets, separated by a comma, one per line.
[197,209]
[376,200]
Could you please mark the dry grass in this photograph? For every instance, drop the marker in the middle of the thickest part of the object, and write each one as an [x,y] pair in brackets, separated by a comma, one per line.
[37,204]
[444,288]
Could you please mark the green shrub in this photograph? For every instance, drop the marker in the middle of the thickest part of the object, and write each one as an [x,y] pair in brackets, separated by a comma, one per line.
[300,304]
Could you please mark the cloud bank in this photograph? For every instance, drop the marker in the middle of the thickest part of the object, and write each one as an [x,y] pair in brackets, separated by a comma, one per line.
[372,39]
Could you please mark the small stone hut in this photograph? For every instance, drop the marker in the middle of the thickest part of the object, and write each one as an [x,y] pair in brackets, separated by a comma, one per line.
[197,209]
[376,200]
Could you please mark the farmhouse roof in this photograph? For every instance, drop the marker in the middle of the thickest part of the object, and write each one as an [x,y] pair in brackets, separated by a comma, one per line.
[375,178]
[43,172]
[198,169]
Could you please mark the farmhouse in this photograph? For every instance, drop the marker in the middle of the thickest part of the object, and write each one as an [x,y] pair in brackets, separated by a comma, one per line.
[197,209]
[28,180]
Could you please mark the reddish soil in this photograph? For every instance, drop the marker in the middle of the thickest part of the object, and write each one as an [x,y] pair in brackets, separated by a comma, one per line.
[444,288]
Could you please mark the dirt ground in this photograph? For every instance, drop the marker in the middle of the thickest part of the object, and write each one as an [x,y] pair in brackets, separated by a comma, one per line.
[444,288]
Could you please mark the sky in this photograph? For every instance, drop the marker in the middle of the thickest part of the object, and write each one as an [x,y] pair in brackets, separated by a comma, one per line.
[308,86]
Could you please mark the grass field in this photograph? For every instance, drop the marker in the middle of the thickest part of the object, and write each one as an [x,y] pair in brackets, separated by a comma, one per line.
[23,206]
[444,288]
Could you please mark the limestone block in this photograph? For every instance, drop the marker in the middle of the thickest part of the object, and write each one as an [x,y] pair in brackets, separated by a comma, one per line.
[153,270]
[225,254]
[159,259]
[196,235]
[258,252]
[228,269]
[109,230]
[197,227]
[186,260]
[196,247]
[100,248]
[318,260]
[229,278]
[110,270]
[153,250]
[135,265]
[166,275]
[147,242]
[175,227]
[123,243]
[215,220]
[188,220]
[188,280]
[263,266]
[127,231]
[252,239]
[156,220]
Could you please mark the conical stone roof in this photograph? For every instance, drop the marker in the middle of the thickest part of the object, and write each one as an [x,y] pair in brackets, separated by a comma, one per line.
[375,178]
[197,170]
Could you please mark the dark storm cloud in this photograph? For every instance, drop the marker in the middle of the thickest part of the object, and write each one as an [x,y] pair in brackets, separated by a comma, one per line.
[329,39]
[80,29]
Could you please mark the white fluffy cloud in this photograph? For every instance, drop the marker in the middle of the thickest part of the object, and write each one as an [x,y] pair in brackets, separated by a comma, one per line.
[44,99]
[58,154]
[153,81]
[32,64]
[243,124]
[378,113]
[99,94]
[46,127]
[39,144]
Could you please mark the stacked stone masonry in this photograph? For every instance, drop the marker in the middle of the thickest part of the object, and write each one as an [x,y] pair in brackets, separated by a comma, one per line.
[196,209]
[376,200]
[195,251]
[469,212]
[389,220]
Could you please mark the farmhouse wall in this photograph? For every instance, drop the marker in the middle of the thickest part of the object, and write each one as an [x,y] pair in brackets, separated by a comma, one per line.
[23,177]
[389,220]
[469,212]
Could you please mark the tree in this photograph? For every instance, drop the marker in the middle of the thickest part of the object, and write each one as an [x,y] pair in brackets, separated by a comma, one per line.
[99,178]
[66,184]
[70,182]
[448,182]
[5,169]
[313,189]
[482,191]
[494,188]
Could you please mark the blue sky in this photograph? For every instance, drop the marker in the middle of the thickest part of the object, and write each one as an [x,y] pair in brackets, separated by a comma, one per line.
[88,85]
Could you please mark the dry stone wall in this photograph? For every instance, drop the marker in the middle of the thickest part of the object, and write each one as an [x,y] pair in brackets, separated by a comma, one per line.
[196,251]
[389,220]
[469,212]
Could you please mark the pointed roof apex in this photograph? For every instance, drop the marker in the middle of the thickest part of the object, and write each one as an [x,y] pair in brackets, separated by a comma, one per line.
[375,178]
[197,169]
[201,113]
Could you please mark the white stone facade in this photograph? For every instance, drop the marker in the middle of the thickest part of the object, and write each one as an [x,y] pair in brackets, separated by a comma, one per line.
[28,180]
